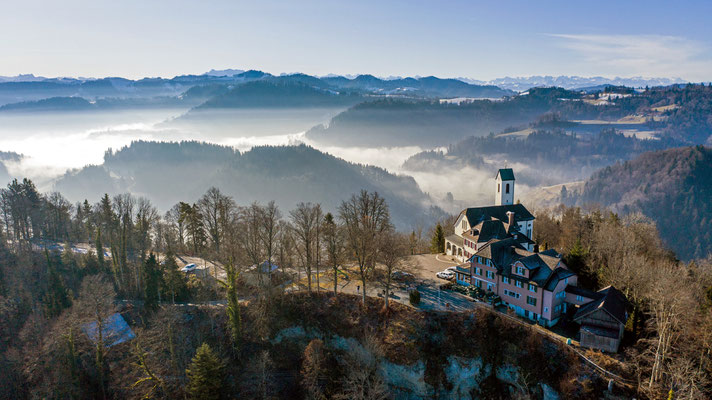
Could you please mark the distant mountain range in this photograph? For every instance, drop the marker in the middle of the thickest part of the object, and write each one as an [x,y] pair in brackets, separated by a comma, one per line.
[572,82]
[507,83]
[168,172]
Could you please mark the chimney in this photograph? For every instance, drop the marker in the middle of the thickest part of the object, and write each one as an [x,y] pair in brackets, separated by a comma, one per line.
[510,217]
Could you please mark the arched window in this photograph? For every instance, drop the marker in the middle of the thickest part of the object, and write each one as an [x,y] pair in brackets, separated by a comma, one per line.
[498,185]
[507,189]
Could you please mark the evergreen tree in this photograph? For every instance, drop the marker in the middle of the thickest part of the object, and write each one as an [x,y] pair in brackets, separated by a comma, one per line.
[152,275]
[56,298]
[174,282]
[205,375]
[437,243]
[233,305]
[99,249]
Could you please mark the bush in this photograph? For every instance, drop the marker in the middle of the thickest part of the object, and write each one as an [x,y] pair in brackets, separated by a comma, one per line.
[414,297]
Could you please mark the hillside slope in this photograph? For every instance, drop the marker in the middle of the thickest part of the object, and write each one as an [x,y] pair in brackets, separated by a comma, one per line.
[673,187]
[164,172]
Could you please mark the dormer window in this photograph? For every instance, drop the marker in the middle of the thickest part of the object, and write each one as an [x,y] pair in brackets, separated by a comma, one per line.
[520,271]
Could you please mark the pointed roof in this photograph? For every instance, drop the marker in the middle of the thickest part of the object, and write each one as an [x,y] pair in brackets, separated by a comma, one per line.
[506,173]
[611,300]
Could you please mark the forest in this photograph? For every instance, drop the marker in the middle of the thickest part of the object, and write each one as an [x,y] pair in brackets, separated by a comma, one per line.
[226,335]
[672,187]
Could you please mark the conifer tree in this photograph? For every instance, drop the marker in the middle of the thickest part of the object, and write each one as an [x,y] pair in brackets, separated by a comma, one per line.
[56,299]
[233,305]
[205,375]
[174,282]
[99,249]
[437,243]
[152,275]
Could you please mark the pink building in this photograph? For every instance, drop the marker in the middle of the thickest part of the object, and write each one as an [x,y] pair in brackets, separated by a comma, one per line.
[532,284]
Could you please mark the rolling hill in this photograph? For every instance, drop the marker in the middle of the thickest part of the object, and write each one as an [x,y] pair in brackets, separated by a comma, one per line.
[164,172]
[673,187]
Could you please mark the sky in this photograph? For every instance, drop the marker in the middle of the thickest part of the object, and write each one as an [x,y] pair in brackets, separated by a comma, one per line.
[473,39]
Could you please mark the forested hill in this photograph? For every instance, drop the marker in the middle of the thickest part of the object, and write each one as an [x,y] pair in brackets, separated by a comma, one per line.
[673,187]
[281,93]
[164,172]
[395,122]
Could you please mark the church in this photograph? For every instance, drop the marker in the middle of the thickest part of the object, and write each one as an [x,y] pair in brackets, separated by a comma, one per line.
[475,226]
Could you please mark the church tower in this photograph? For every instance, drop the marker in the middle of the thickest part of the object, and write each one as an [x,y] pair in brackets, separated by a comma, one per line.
[505,187]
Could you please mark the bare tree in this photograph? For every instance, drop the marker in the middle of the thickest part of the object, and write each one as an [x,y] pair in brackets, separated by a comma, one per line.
[94,306]
[391,252]
[215,208]
[335,247]
[304,222]
[365,218]
[270,231]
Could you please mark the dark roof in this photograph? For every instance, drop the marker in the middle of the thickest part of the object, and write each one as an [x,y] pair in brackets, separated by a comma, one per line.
[600,331]
[506,173]
[496,229]
[611,300]
[475,215]
[545,270]
[579,291]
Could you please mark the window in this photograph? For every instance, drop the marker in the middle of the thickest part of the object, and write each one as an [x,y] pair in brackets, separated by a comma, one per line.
[511,293]
[478,283]
[464,224]
[505,279]
[518,284]
[531,288]
[506,189]
[531,300]
[498,186]
[520,270]
[490,275]
[478,271]
[561,295]
[489,287]
[557,308]
[546,309]
[579,298]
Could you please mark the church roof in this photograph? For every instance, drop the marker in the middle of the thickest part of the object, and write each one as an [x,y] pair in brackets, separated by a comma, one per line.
[506,173]
[475,215]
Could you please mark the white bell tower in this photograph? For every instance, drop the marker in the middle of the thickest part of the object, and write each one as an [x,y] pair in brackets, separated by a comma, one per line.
[505,187]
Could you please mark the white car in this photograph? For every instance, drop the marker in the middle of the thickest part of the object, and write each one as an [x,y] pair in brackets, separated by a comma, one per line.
[189,268]
[447,275]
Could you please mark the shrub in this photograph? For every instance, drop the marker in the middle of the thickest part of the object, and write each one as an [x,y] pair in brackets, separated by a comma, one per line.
[414,297]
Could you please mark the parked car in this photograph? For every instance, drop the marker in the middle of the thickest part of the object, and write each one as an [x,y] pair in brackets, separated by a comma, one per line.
[447,275]
[189,268]
[401,276]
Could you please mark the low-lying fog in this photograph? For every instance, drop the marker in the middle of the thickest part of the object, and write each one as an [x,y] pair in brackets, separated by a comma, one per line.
[54,142]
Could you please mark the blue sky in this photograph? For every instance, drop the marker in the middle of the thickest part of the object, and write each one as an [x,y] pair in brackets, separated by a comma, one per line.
[475,39]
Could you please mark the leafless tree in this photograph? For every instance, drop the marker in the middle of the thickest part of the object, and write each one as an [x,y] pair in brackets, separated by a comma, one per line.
[215,208]
[304,222]
[335,247]
[391,252]
[365,219]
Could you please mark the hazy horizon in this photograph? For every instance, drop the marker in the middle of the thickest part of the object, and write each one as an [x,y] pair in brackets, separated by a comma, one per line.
[480,40]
